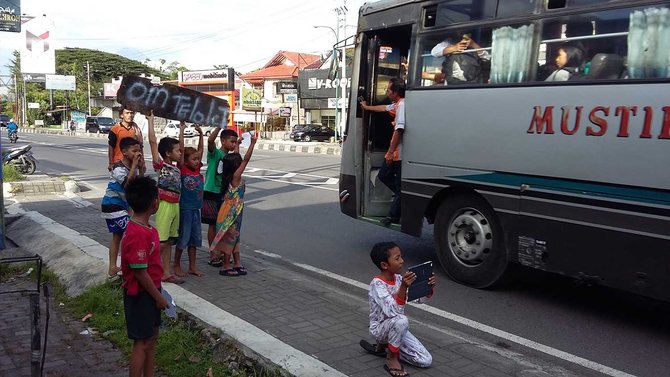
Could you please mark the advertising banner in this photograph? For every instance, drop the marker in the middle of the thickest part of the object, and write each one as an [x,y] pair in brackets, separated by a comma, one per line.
[252,99]
[38,53]
[60,82]
[219,75]
[172,102]
[10,16]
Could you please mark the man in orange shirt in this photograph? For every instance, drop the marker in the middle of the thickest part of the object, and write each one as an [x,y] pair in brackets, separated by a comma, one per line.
[125,128]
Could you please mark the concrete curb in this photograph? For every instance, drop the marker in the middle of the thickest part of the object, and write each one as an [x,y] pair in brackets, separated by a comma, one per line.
[268,145]
[34,187]
[80,263]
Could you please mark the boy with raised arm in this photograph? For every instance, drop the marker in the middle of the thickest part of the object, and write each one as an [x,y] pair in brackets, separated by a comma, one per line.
[165,156]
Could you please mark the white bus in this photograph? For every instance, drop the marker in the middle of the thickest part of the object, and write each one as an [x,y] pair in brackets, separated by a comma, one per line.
[570,176]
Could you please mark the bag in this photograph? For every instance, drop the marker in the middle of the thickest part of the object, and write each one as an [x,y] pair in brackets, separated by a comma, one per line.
[460,68]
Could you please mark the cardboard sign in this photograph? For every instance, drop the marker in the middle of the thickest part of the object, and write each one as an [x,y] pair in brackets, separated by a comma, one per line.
[172,102]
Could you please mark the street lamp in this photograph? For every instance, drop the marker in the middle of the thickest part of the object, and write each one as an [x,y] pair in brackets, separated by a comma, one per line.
[337,87]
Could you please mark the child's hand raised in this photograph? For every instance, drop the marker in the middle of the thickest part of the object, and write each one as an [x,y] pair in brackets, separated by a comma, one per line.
[182,124]
[408,278]
[254,137]
[432,280]
[198,128]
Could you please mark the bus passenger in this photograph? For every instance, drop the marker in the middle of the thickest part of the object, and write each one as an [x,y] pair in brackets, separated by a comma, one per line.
[389,173]
[568,63]
[458,66]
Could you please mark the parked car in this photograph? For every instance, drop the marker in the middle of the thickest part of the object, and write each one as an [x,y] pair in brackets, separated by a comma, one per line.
[99,124]
[4,119]
[172,130]
[313,132]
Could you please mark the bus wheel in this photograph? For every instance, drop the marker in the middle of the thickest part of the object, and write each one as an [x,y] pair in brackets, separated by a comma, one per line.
[470,241]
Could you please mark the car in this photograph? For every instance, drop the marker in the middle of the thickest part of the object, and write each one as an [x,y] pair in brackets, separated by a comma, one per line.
[313,132]
[99,124]
[4,119]
[172,130]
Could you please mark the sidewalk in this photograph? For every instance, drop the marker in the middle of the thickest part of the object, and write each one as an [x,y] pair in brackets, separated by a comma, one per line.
[271,145]
[305,318]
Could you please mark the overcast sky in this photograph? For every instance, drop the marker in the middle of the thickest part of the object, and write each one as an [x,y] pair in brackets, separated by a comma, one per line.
[197,33]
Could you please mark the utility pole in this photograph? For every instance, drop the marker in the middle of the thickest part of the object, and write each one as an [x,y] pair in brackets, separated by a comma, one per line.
[342,21]
[88,75]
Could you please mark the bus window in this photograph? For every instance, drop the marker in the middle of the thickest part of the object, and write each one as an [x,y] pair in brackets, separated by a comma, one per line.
[513,8]
[458,11]
[594,46]
[455,58]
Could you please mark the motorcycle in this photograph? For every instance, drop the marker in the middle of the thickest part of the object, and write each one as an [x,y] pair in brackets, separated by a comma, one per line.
[21,158]
[13,136]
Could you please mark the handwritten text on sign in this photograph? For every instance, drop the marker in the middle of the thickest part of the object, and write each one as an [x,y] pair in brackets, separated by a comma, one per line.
[172,102]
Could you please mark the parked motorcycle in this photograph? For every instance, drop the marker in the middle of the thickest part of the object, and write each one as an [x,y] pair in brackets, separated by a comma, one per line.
[21,158]
[13,136]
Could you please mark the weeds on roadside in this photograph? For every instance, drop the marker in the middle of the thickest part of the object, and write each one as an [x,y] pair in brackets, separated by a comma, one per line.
[10,174]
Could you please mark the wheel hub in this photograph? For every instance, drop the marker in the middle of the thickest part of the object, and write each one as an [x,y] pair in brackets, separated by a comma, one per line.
[470,237]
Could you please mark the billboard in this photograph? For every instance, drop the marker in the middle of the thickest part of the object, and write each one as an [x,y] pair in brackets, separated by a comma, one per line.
[10,16]
[60,82]
[38,53]
[252,99]
[216,75]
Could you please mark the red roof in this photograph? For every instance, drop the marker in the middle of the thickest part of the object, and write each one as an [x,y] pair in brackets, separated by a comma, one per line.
[277,67]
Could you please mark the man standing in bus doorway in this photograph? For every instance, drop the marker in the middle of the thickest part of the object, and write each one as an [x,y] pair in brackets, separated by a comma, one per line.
[389,173]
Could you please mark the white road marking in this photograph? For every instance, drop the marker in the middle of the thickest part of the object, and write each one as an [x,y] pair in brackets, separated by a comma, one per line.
[472,324]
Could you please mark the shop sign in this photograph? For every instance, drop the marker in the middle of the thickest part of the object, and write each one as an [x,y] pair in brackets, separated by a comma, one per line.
[211,75]
[10,16]
[287,87]
[252,99]
[284,111]
[290,98]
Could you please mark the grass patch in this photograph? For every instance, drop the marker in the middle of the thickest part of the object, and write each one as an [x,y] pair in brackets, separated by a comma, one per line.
[10,174]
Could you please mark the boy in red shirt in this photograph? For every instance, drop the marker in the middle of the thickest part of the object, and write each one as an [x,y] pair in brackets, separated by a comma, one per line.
[142,272]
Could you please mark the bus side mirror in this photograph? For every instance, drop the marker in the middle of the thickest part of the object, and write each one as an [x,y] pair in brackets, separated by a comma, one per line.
[334,65]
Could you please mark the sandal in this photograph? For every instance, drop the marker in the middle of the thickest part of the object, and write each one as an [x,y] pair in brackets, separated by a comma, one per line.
[373,348]
[229,272]
[396,372]
[216,262]
[173,279]
[241,270]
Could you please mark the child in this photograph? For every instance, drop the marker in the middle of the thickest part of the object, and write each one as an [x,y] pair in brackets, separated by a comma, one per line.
[229,220]
[164,155]
[212,197]
[192,182]
[114,205]
[142,271]
[388,323]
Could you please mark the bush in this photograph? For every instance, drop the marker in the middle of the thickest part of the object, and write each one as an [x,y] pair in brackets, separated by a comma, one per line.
[10,174]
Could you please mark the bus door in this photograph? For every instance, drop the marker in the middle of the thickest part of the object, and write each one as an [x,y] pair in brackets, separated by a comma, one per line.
[387,54]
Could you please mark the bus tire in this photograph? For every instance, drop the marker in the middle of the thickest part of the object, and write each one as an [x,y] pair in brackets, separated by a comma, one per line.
[470,241]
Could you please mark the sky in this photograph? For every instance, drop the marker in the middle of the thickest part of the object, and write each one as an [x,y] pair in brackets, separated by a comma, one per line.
[198,33]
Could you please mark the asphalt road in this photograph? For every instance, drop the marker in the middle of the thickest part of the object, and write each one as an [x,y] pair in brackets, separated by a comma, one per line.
[292,210]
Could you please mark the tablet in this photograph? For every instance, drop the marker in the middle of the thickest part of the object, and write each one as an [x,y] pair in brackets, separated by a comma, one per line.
[420,287]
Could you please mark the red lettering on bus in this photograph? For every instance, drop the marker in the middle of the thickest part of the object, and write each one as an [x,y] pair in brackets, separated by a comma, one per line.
[665,131]
[565,114]
[624,112]
[646,127]
[538,122]
[598,121]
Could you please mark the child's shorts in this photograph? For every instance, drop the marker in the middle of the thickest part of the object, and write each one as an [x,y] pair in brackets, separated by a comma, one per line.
[116,221]
[167,221]
[190,229]
[142,316]
[211,203]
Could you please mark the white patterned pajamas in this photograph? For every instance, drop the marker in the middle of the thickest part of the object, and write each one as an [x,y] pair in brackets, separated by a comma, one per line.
[388,323]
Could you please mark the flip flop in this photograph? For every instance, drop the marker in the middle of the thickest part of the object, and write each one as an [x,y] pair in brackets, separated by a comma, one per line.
[215,263]
[241,270]
[229,272]
[372,348]
[113,278]
[395,372]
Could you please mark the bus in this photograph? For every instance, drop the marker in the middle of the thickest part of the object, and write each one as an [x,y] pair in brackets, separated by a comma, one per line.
[512,161]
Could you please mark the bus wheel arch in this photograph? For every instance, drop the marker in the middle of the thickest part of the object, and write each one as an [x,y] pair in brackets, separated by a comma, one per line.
[470,240]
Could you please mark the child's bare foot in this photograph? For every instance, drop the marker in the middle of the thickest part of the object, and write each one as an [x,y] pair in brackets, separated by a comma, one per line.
[178,271]
[194,271]
[393,366]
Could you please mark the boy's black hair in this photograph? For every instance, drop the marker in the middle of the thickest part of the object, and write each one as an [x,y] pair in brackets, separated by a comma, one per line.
[226,133]
[166,144]
[231,162]
[123,107]
[127,142]
[380,252]
[397,85]
[141,193]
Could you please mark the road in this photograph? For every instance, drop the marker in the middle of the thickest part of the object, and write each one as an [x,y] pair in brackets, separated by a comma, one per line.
[292,210]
